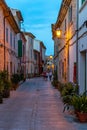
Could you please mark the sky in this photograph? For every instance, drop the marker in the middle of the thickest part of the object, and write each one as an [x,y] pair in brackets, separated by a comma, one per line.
[38,16]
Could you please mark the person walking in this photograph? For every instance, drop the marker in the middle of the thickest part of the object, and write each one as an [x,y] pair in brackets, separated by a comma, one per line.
[50,75]
[47,75]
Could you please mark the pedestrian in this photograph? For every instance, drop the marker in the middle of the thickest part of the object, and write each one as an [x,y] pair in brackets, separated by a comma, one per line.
[50,75]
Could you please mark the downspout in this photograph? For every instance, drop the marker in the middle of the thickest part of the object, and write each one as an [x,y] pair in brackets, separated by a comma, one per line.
[77,26]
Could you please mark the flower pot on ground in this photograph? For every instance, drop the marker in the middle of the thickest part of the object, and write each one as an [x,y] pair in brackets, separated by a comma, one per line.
[82,116]
[14,86]
[6,93]
[1,98]
[80,105]
[22,77]
[68,90]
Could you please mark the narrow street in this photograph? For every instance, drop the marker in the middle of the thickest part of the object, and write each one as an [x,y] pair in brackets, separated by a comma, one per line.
[36,105]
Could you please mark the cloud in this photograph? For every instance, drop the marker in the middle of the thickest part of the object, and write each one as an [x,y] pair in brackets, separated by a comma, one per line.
[35,26]
[38,16]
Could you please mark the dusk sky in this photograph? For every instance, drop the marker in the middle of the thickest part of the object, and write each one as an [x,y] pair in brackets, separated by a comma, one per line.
[38,16]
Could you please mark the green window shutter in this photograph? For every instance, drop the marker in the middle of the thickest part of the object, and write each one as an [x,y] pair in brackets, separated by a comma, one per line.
[83,1]
[19,48]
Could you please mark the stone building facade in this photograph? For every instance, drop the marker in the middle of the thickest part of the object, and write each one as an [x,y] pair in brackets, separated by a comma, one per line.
[82,45]
[29,54]
[8,32]
[66,47]
[71,52]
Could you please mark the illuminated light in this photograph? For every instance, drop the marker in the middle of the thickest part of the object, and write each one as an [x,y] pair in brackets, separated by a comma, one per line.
[58,33]
[51,57]
[52,66]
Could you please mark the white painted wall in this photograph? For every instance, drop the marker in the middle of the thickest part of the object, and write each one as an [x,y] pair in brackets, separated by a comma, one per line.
[36,45]
[82,53]
[43,53]
[72,60]
[29,55]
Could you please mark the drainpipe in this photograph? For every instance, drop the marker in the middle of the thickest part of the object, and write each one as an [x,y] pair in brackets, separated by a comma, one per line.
[4,38]
[77,26]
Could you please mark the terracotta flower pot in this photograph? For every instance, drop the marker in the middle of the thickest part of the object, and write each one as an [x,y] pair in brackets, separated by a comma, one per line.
[1,98]
[6,93]
[82,117]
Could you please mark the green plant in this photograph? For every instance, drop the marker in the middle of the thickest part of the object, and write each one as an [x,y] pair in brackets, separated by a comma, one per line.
[68,91]
[80,103]
[60,87]
[1,89]
[55,83]
[7,86]
[1,83]
[55,76]
[15,78]
[4,75]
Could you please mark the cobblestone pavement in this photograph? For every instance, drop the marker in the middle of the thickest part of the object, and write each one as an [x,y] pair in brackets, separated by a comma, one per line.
[36,105]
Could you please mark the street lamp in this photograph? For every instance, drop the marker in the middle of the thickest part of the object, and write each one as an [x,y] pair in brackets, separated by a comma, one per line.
[51,57]
[58,33]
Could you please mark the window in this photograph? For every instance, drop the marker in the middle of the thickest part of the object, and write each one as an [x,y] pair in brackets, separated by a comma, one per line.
[31,68]
[70,14]
[6,34]
[14,42]
[10,68]
[7,66]
[31,53]
[35,56]
[14,68]
[11,39]
[31,40]
[20,48]
[65,24]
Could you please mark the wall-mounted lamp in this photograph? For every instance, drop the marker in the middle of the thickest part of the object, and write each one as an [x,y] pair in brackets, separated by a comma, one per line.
[58,33]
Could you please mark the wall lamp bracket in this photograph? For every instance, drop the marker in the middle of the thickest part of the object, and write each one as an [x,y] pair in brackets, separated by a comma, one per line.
[58,34]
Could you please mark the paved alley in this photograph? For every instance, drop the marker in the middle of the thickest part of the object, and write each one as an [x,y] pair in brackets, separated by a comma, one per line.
[36,105]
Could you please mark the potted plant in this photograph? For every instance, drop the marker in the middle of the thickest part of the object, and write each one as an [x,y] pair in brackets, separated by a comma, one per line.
[15,80]
[79,103]
[69,89]
[6,91]
[6,84]
[1,89]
